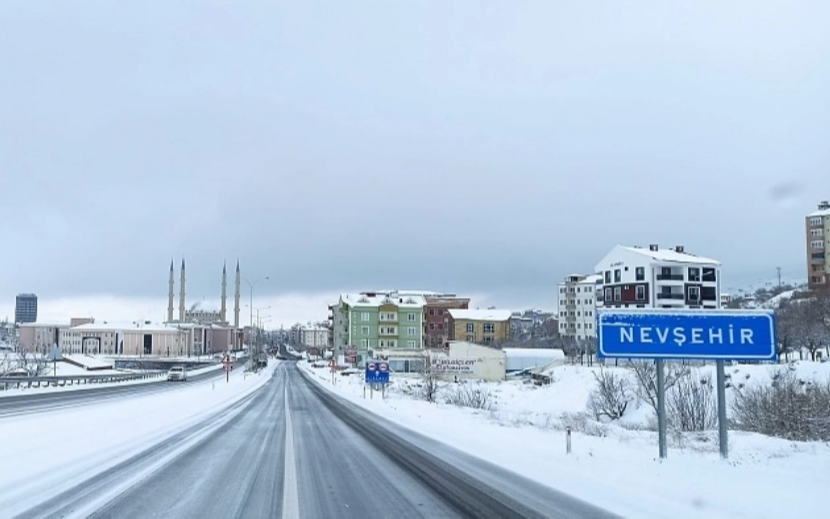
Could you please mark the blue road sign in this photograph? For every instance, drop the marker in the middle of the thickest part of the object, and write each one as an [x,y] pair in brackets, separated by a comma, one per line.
[686,334]
[377,372]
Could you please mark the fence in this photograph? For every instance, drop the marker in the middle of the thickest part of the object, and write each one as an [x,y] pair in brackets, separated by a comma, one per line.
[71,380]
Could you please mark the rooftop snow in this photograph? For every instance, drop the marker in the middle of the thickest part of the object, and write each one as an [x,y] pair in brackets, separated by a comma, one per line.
[671,255]
[378,299]
[122,326]
[480,315]
[820,212]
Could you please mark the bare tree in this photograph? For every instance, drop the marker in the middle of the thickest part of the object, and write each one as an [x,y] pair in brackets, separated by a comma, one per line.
[788,327]
[611,396]
[690,404]
[431,381]
[32,363]
[645,375]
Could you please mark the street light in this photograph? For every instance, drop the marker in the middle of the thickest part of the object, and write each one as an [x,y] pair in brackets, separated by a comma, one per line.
[251,285]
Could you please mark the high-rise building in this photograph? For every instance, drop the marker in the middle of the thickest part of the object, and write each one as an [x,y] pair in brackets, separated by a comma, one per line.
[577,305]
[25,308]
[817,225]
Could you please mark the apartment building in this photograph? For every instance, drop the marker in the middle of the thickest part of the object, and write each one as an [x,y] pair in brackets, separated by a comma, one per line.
[378,320]
[817,226]
[436,318]
[637,277]
[578,294]
[479,326]
[314,337]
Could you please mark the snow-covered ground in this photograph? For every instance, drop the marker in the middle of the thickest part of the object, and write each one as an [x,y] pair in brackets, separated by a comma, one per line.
[614,466]
[80,443]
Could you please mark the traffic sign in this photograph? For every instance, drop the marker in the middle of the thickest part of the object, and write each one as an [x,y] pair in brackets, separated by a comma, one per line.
[377,372]
[686,334]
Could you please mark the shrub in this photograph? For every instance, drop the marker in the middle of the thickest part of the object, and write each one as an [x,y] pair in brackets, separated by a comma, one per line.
[691,403]
[467,395]
[787,408]
[611,397]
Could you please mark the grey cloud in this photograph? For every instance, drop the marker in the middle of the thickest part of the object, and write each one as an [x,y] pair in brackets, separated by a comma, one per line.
[461,147]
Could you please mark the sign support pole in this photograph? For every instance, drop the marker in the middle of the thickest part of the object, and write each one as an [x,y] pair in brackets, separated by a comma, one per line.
[661,406]
[723,438]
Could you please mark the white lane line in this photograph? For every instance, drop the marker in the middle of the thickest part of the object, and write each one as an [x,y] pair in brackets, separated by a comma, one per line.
[290,494]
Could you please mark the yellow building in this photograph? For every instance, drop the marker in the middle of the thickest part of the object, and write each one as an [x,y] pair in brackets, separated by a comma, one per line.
[479,326]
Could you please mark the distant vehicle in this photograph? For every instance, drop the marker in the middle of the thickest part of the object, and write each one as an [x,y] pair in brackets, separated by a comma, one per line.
[177,373]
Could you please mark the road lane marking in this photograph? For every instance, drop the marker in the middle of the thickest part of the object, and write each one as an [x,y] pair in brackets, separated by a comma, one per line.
[290,494]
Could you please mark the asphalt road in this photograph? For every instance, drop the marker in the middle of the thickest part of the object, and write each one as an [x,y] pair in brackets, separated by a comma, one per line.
[37,402]
[293,450]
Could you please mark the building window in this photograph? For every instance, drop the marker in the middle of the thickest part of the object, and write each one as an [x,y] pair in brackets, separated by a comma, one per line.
[709,275]
[411,318]
[617,276]
[431,326]
[641,293]
[640,273]
[694,274]
[489,328]
[364,330]
[488,340]
[694,294]
[364,343]
[411,344]
[470,338]
[818,244]
[817,233]
[608,294]
[816,220]
[607,276]
[471,327]
[617,293]
[364,316]
[412,331]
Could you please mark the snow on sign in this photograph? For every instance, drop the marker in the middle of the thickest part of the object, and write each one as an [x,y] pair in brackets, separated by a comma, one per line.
[686,334]
[454,365]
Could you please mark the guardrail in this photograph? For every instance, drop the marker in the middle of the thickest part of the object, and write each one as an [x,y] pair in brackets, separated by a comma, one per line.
[71,380]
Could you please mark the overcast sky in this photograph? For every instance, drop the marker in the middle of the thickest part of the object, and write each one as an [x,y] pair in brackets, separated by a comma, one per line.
[486,148]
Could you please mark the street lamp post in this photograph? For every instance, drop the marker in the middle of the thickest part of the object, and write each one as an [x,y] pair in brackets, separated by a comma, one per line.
[251,285]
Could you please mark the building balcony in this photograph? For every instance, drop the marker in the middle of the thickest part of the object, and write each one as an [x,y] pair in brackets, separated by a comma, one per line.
[674,296]
[669,277]
[390,332]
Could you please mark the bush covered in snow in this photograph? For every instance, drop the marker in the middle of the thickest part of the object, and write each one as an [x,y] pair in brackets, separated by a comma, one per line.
[612,395]
[788,407]
[469,395]
[691,403]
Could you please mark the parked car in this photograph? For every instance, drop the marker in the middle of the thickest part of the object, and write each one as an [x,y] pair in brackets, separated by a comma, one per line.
[177,373]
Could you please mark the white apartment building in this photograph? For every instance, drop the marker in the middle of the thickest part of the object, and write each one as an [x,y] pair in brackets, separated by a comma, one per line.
[314,337]
[577,305]
[637,277]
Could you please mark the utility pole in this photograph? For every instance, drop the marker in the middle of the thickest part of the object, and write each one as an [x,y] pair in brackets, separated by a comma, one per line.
[779,276]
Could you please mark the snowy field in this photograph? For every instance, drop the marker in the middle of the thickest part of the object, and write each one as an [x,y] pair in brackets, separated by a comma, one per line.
[45,454]
[616,465]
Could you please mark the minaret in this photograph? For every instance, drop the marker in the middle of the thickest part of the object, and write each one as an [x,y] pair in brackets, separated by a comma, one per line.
[170,294]
[181,295]
[236,297]
[224,309]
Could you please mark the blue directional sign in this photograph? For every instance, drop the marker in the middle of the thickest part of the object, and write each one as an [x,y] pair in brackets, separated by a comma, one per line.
[377,372]
[686,334]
